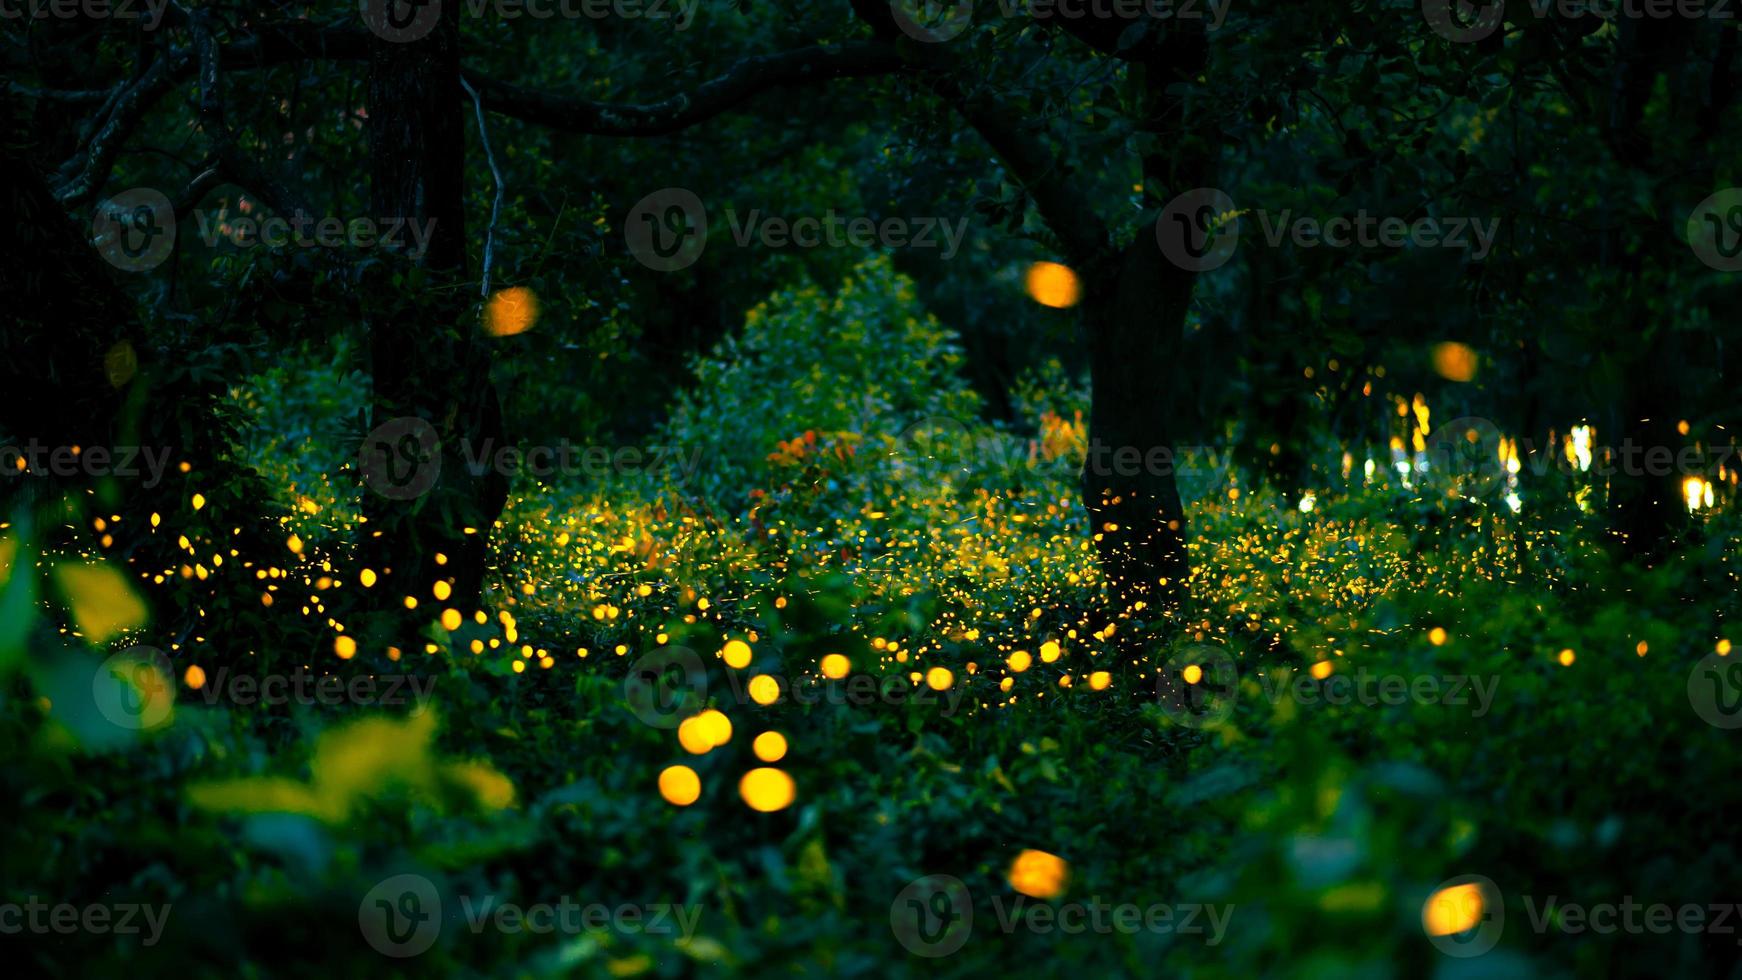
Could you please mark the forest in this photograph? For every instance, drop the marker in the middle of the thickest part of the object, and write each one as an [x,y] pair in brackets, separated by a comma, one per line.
[861,488]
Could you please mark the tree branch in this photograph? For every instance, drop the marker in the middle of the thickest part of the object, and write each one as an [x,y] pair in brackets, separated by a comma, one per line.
[742,81]
[1063,204]
[81,177]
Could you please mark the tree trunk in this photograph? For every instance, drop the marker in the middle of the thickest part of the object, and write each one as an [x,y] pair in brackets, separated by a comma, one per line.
[429,362]
[1134,317]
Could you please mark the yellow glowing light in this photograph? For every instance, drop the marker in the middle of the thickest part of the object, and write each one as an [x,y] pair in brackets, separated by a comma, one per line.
[1019,661]
[769,746]
[1049,651]
[441,590]
[1455,909]
[1698,493]
[767,790]
[835,666]
[764,690]
[1454,361]
[367,577]
[1192,674]
[716,726]
[1322,669]
[345,647]
[1567,657]
[1100,680]
[1437,636]
[1038,874]
[450,619]
[1054,285]
[737,654]
[694,736]
[511,311]
[1643,648]
[679,785]
[939,679]
[1723,648]
[198,501]
[194,677]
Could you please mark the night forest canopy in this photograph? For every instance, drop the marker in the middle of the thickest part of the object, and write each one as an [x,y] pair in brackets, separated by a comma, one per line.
[668,487]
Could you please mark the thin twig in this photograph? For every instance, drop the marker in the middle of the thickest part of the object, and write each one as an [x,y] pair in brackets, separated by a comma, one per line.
[496,205]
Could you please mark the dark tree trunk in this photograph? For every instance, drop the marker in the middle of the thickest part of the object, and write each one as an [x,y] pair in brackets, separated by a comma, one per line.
[1134,317]
[1646,509]
[429,361]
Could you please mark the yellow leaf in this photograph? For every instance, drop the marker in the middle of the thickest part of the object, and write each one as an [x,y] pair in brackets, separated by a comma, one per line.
[102,602]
